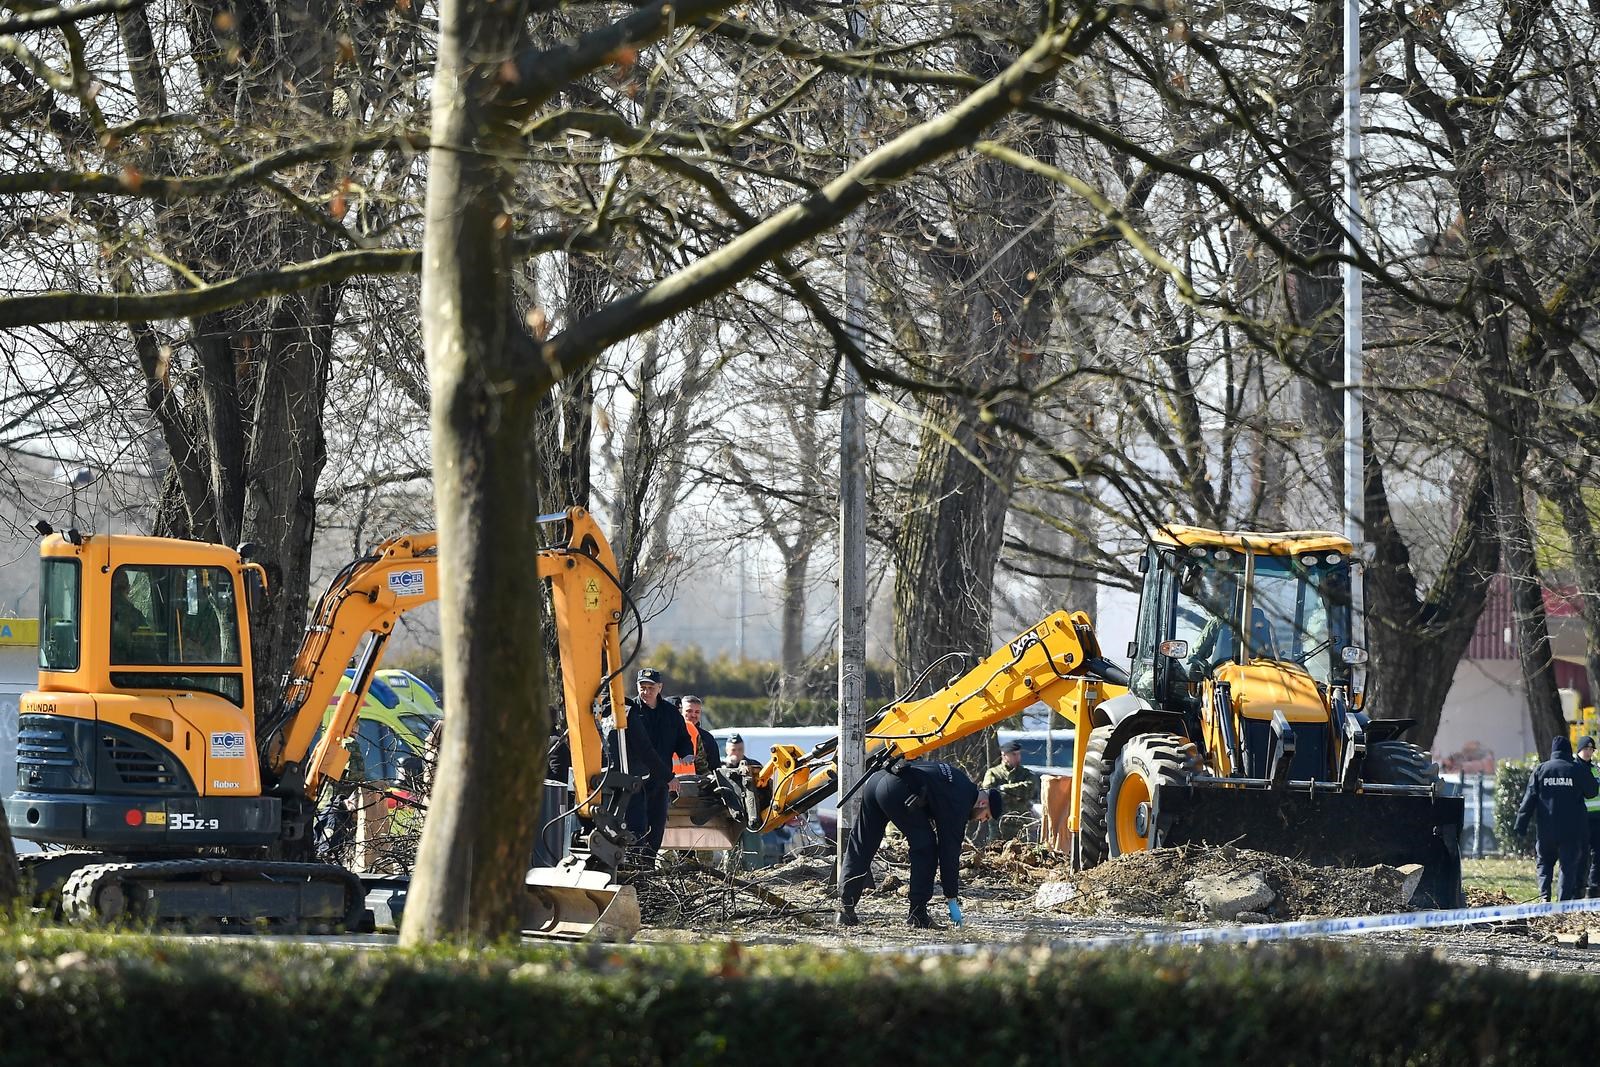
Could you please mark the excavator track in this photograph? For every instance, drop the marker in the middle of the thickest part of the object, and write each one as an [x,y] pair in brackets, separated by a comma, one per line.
[210,892]
[46,873]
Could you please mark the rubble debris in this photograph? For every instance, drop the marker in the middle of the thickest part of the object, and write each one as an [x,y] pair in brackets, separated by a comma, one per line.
[1225,894]
[1052,894]
[1221,883]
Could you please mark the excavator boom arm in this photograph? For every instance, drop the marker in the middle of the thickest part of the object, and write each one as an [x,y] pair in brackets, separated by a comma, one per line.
[369,596]
[1047,663]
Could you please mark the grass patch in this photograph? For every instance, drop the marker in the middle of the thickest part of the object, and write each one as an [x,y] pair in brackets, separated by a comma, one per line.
[1512,875]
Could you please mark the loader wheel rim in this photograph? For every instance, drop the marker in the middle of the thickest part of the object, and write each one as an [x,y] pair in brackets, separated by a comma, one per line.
[1133,814]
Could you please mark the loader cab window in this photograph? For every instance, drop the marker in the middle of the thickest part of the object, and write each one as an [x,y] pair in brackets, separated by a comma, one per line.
[1148,630]
[173,616]
[60,604]
[1300,610]
[1207,605]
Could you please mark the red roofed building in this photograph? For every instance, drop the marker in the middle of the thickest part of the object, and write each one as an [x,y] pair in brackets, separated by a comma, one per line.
[1485,717]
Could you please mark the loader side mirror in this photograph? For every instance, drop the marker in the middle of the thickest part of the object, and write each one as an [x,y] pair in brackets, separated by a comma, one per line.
[1175,649]
[255,587]
[1354,655]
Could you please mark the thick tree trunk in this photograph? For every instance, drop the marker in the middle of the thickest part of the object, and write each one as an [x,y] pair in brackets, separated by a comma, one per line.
[1416,639]
[994,321]
[285,459]
[10,877]
[481,822]
[1312,295]
[792,648]
[1527,589]
[1578,522]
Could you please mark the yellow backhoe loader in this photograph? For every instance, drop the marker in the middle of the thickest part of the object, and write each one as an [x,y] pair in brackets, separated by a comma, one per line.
[143,751]
[1239,723]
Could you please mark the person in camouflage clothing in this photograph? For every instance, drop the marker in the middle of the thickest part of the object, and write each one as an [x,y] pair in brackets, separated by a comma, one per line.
[1018,786]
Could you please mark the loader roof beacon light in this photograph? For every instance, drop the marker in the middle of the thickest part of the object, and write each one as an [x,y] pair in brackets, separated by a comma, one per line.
[143,742]
[1239,721]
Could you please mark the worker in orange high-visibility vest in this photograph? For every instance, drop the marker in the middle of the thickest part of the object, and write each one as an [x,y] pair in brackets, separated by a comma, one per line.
[706,753]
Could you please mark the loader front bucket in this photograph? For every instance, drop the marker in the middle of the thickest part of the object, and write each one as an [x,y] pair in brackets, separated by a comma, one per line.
[569,903]
[698,821]
[1324,826]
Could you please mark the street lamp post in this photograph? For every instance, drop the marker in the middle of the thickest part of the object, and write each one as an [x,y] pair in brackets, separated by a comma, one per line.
[76,479]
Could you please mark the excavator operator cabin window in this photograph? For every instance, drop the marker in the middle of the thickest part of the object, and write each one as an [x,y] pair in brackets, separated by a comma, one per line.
[173,616]
[59,610]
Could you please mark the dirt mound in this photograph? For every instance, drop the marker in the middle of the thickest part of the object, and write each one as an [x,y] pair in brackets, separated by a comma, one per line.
[1227,883]
[1016,863]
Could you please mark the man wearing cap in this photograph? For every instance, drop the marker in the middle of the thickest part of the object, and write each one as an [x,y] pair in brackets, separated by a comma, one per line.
[656,733]
[1554,802]
[930,803]
[1586,753]
[737,760]
[1018,787]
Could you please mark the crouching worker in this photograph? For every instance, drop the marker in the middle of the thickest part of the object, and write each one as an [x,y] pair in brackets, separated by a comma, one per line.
[931,804]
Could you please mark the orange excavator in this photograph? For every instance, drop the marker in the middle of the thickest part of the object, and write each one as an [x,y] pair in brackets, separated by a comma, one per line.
[143,751]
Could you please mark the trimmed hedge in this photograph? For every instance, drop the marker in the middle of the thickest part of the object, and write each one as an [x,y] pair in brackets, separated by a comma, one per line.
[1510,782]
[758,711]
[76,998]
[690,670]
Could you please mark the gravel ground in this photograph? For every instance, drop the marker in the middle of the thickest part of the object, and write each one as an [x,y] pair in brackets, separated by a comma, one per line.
[1124,898]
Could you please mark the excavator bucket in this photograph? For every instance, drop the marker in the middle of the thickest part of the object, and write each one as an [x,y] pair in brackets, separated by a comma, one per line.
[570,903]
[1325,827]
[697,820]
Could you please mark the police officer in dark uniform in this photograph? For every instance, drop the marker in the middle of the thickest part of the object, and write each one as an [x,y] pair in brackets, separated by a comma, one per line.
[931,804]
[656,733]
[1554,801]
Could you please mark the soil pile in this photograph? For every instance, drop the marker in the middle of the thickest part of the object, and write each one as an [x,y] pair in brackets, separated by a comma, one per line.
[1192,883]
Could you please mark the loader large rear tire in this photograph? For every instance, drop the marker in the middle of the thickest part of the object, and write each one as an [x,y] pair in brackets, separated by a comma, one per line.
[1145,762]
[1398,763]
[1402,763]
[1092,848]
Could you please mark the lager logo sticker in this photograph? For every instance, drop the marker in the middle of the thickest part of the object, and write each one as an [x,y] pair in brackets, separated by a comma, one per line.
[407,583]
[229,745]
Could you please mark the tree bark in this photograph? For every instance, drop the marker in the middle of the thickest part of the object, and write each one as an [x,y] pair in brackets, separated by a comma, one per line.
[1578,522]
[1416,638]
[994,322]
[10,876]
[480,830]
[1527,588]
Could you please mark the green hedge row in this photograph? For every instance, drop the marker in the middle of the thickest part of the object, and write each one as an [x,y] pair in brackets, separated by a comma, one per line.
[1510,782]
[72,998]
[690,670]
[761,711]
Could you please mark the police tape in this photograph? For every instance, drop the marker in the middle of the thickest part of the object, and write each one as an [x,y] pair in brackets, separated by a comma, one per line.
[1254,933]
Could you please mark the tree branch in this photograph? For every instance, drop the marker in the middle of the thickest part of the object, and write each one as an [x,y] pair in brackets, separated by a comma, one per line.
[177,303]
[50,17]
[804,219]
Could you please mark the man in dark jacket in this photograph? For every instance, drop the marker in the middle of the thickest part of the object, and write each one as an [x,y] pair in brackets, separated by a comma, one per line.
[1554,802]
[1586,753]
[656,733]
[930,803]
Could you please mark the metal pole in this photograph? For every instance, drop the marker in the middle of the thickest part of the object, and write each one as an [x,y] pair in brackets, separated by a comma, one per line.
[1477,837]
[739,623]
[851,754]
[1355,518]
